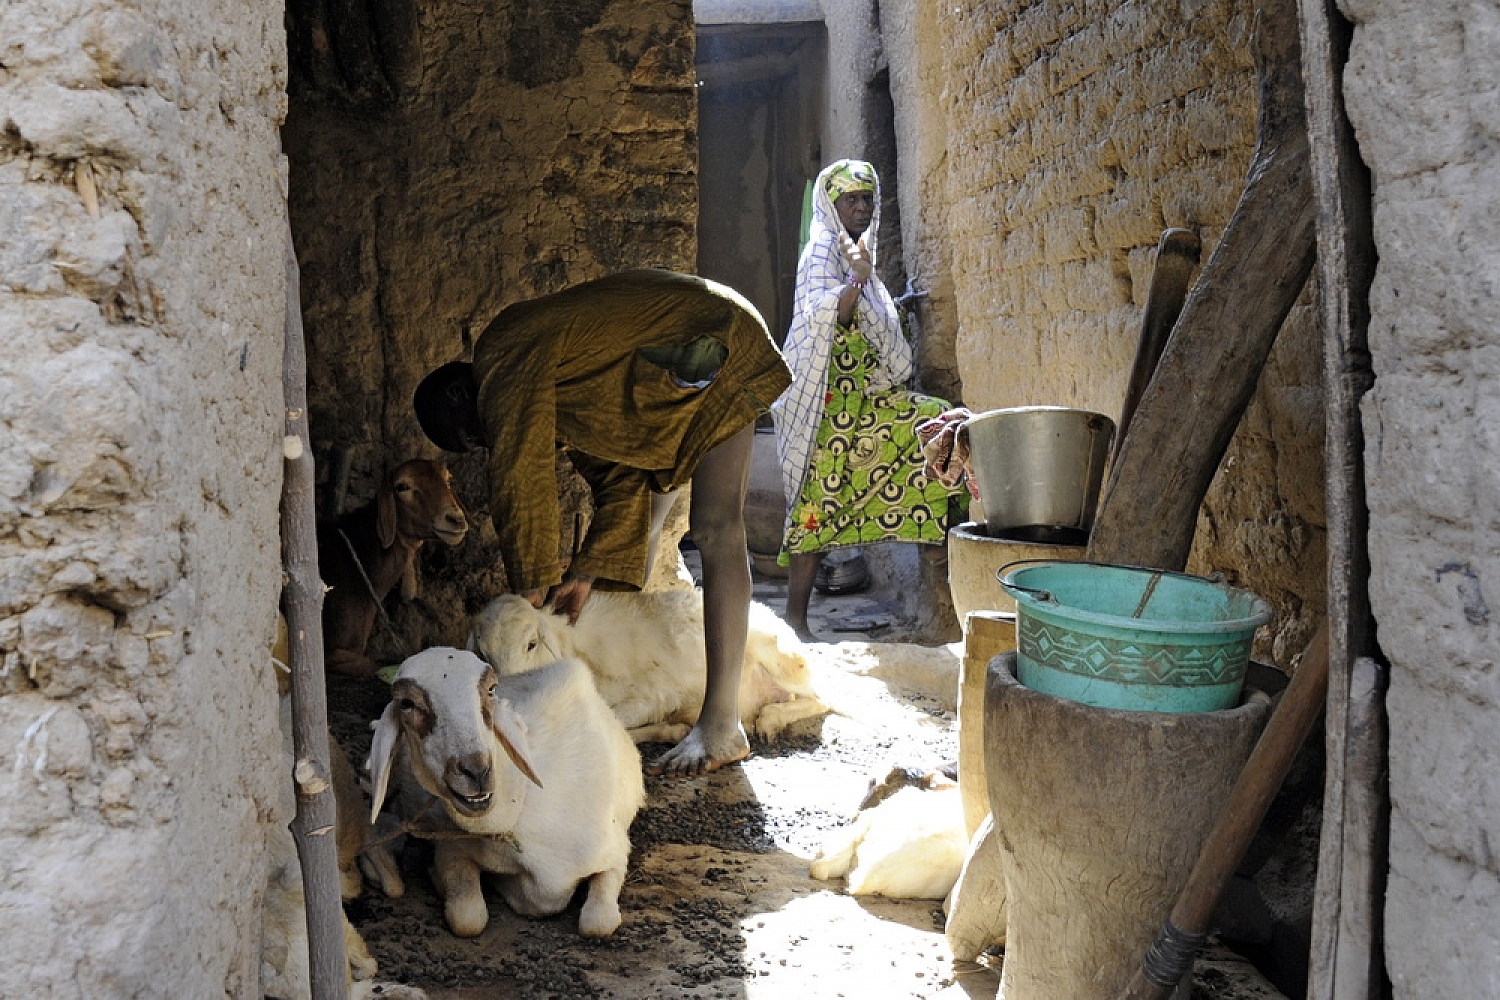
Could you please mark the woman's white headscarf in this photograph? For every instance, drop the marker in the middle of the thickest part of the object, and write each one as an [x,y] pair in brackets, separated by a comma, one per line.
[822,273]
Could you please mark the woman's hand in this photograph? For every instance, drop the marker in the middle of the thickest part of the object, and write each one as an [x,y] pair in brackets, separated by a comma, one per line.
[857,255]
[569,597]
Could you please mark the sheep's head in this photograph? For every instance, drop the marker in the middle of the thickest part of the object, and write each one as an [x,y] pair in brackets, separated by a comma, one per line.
[417,503]
[514,637]
[457,736]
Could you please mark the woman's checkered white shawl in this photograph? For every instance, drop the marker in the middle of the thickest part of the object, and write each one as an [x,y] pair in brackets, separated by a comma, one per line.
[822,273]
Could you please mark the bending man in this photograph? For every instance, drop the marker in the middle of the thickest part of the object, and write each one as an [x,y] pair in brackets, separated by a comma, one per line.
[649,380]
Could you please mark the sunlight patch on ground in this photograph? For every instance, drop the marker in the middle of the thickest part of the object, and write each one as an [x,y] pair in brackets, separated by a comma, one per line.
[830,945]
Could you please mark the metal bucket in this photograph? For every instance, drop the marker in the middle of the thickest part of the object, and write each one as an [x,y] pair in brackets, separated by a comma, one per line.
[1039,470]
[1137,639]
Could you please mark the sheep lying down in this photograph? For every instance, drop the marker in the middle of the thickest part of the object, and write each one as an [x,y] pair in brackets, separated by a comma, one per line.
[646,654]
[906,842]
[537,777]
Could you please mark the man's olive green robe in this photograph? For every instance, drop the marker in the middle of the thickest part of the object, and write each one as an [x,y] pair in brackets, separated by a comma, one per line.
[638,375]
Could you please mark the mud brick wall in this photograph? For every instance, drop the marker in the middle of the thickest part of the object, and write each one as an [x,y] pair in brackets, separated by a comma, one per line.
[1045,147]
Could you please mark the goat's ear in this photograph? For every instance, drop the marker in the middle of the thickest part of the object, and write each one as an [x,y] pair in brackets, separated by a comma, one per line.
[511,732]
[382,756]
[385,516]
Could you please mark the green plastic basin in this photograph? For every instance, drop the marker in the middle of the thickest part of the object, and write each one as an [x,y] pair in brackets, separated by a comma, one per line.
[1129,638]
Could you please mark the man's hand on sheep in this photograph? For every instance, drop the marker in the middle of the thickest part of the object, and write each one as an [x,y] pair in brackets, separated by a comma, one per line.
[569,597]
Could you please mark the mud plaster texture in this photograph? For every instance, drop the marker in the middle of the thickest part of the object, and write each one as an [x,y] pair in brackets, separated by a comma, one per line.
[142,277]
[1421,93]
[718,902]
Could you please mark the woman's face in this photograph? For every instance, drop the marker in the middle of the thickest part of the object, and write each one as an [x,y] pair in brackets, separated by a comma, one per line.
[856,209]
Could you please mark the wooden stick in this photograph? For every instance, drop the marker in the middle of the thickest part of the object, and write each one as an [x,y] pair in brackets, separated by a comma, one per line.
[1211,364]
[1171,954]
[302,603]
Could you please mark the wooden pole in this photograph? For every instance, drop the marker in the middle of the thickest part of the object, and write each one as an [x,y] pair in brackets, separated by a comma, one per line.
[1213,360]
[1347,956]
[302,603]
[1171,954]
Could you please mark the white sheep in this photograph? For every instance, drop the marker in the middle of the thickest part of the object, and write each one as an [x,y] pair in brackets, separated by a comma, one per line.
[534,766]
[909,845]
[646,653]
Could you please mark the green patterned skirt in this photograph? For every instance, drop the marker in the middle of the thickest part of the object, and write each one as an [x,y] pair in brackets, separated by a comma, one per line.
[864,481]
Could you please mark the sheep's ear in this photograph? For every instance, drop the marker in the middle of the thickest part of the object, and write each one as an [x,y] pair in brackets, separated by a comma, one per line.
[511,732]
[382,756]
[385,516]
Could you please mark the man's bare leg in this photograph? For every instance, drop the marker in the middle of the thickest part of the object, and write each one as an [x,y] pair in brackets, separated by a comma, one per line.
[800,580]
[717,523]
[661,506]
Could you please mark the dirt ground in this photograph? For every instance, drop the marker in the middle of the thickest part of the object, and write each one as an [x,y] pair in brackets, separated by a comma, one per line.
[719,903]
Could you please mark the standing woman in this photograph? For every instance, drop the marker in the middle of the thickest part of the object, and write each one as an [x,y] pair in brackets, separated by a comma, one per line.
[851,463]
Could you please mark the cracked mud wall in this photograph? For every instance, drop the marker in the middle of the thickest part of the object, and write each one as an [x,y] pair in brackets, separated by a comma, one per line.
[141,312]
[521,148]
[1422,94]
[1044,148]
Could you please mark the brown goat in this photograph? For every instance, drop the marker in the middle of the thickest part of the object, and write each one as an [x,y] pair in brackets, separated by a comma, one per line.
[414,504]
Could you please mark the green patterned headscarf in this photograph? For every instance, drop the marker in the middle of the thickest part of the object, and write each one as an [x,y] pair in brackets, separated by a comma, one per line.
[849,175]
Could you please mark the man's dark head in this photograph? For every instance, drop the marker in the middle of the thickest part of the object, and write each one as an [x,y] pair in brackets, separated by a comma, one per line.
[447,407]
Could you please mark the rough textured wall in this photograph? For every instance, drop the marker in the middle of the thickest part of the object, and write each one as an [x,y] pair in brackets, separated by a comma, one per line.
[1421,91]
[526,147]
[141,310]
[855,56]
[1074,134]
[918,77]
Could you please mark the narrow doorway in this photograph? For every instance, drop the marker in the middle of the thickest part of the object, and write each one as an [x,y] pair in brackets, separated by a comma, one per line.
[760,90]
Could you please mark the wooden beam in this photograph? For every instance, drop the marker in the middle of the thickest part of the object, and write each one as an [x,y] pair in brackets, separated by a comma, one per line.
[1347,959]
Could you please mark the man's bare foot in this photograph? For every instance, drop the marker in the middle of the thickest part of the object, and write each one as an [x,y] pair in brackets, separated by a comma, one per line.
[699,753]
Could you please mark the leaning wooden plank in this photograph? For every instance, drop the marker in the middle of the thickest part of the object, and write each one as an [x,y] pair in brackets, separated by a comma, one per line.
[1346,958]
[302,602]
[1358,957]
[1177,255]
[1210,366]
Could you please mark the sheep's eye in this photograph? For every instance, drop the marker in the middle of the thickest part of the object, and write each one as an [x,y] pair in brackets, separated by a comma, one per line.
[405,704]
[531,645]
[489,692]
[403,487]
